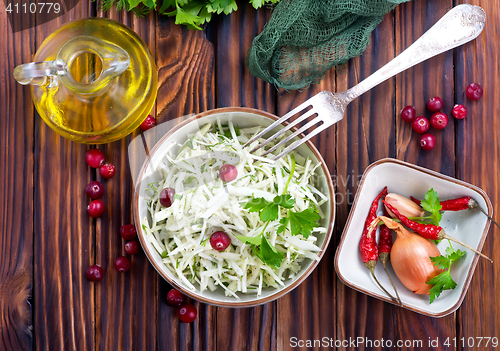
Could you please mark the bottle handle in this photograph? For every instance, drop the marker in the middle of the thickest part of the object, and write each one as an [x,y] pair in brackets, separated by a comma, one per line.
[114,61]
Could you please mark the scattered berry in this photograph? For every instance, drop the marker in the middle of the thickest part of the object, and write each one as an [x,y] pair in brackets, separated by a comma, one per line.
[148,123]
[220,241]
[439,120]
[474,91]
[408,113]
[132,247]
[228,172]
[128,232]
[167,197]
[459,111]
[427,141]
[94,273]
[175,298]
[94,190]
[187,313]
[96,208]
[435,104]
[94,158]
[107,170]
[122,264]
[420,124]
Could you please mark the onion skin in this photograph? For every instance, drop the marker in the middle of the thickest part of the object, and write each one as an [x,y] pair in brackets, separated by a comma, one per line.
[410,257]
[405,206]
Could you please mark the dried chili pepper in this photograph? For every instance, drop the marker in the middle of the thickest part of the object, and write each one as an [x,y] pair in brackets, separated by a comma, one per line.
[460,204]
[429,231]
[368,243]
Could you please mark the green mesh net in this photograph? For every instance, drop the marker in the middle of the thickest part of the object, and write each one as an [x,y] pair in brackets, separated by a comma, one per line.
[305,38]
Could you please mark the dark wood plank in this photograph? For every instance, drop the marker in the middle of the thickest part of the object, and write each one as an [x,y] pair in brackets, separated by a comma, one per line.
[64,241]
[365,135]
[477,162]
[16,199]
[126,304]
[237,87]
[185,60]
[415,86]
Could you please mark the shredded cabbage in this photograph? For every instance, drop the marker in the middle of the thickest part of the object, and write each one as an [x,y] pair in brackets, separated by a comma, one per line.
[204,204]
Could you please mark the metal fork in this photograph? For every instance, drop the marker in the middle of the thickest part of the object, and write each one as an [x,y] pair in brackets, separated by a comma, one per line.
[458,26]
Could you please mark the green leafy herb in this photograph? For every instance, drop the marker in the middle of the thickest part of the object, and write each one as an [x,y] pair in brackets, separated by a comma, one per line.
[431,204]
[263,249]
[303,222]
[164,254]
[256,240]
[192,13]
[444,281]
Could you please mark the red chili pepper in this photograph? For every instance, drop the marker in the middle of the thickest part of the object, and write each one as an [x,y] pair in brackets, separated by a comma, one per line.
[460,204]
[428,231]
[368,243]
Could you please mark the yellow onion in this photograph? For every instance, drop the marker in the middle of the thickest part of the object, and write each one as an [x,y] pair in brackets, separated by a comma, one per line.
[404,205]
[410,257]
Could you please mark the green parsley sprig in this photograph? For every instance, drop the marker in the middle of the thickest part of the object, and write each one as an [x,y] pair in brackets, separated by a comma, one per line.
[444,281]
[192,13]
[432,205]
[296,222]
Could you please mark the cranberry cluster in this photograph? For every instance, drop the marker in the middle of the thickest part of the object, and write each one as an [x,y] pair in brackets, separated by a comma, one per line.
[439,120]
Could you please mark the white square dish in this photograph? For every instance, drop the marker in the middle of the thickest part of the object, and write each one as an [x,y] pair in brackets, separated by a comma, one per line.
[469,226]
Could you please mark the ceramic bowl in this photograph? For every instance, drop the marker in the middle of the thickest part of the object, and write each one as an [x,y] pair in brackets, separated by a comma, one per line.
[243,117]
[469,226]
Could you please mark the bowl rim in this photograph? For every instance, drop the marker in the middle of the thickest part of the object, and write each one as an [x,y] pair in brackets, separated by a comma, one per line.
[466,284]
[236,303]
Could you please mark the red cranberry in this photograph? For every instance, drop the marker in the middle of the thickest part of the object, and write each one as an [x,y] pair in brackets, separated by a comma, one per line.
[107,170]
[408,113]
[175,298]
[94,158]
[459,111]
[128,232]
[420,124]
[435,104]
[427,141]
[474,91]
[167,197]
[94,273]
[132,247]
[220,241]
[122,264]
[228,172]
[94,190]
[148,123]
[187,313]
[96,208]
[439,120]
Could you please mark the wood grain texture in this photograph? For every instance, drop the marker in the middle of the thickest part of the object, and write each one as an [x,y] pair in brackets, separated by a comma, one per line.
[16,197]
[416,86]
[478,159]
[365,135]
[126,302]
[64,241]
[246,328]
[186,71]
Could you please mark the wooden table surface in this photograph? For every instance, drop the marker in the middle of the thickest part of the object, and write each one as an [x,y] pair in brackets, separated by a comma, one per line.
[47,240]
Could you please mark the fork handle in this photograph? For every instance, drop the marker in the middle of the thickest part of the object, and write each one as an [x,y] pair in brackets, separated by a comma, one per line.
[458,26]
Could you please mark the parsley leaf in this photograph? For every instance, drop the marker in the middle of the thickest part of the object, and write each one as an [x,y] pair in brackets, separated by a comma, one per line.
[444,281]
[271,256]
[303,222]
[257,204]
[285,201]
[269,213]
[283,224]
[431,204]
[249,240]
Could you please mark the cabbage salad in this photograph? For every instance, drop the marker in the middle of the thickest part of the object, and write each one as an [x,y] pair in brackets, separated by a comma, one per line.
[270,213]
